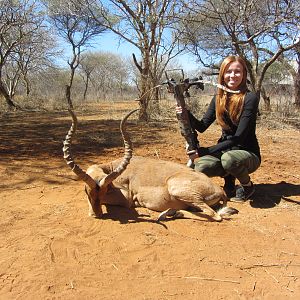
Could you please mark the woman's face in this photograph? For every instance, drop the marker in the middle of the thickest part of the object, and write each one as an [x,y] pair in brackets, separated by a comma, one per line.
[233,75]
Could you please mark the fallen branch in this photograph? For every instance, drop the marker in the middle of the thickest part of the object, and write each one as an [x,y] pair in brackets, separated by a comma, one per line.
[267,266]
[208,279]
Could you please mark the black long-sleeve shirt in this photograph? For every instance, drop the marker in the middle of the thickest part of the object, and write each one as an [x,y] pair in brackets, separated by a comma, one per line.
[240,136]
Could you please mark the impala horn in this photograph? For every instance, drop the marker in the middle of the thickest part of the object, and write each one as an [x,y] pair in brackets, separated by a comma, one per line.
[127,154]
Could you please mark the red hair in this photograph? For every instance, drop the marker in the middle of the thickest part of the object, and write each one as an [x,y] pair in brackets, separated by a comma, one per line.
[227,102]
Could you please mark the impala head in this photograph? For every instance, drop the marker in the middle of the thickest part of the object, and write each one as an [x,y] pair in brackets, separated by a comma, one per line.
[97,182]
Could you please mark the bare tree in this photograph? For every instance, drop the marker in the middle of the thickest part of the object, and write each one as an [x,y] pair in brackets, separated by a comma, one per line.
[292,66]
[87,66]
[297,79]
[20,24]
[11,75]
[39,54]
[260,32]
[75,25]
[147,25]
[108,72]
[27,60]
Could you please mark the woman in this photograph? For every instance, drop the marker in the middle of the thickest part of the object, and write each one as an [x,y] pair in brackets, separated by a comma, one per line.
[237,153]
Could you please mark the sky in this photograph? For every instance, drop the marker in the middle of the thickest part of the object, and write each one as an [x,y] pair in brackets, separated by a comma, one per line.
[109,42]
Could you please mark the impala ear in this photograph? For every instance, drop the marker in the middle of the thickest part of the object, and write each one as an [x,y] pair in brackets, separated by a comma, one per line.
[117,185]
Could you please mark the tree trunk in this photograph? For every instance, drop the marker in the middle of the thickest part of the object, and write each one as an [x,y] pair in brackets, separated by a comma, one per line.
[7,98]
[297,82]
[143,116]
[68,96]
[27,84]
[68,88]
[266,99]
[155,101]
[297,91]
[86,88]
[144,90]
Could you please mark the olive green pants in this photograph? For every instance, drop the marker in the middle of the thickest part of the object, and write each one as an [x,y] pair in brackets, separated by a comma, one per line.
[238,163]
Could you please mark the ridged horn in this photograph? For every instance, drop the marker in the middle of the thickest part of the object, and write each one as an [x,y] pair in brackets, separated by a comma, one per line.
[68,155]
[127,154]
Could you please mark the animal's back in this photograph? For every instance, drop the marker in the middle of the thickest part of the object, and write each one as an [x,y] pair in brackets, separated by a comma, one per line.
[154,171]
[150,172]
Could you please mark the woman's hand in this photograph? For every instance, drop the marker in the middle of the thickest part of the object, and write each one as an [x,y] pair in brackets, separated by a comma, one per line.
[202,151]
[193,156]
[178,109]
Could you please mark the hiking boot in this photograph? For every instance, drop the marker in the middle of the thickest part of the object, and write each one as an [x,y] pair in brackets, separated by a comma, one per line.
[229,186]
[243,193]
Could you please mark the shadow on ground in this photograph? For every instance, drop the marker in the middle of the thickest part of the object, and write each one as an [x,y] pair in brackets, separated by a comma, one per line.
[27,135]
[268,195]
[128,215]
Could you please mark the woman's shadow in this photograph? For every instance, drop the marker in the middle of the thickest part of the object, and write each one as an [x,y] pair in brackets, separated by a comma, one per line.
[268,195]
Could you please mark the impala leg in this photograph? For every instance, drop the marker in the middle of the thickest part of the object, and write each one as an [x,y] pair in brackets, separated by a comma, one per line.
[170,212]
[206,211]
[195,215]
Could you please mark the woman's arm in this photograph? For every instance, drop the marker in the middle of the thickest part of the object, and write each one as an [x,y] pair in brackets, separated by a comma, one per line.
[208,118]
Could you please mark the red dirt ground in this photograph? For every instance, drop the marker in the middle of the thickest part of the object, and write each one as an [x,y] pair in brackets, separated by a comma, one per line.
[51,249]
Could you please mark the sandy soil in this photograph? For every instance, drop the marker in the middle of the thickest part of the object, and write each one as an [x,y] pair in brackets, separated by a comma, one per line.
[51,249]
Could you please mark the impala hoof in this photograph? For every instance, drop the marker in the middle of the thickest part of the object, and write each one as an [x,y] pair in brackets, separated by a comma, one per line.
[171,213]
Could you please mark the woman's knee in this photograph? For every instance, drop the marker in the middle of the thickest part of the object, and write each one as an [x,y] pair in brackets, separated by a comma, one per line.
[229,162]
[239,160]
[210,166]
